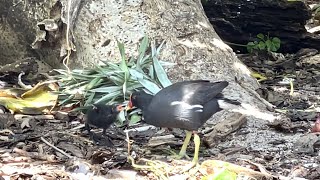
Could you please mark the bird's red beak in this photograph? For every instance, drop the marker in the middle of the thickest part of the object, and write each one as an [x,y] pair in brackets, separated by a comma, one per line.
[130,105]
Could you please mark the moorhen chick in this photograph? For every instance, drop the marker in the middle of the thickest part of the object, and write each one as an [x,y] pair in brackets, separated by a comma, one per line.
[186,105]
[102,116]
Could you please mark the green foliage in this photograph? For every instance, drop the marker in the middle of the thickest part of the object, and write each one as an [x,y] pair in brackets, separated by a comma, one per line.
[203,2]
[222,174]
[114,82]
[264,43]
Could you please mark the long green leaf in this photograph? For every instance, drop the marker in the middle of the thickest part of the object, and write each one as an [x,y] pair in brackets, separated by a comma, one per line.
[124,89]
[93,83]
[107,89]
[108,97]
[161,73]
[123,64]
[116,80]
[107,71]
[158,69]
[83,71]
[66,100]
[152,87]
[142,51]
[124,68]
[151,71]
[160,47]
[146,61]
[89,100]
[134,86]
[136,74]
[76,85]
[113,66]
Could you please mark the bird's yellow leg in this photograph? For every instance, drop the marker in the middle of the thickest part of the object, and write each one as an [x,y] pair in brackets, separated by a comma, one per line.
[183,151]
[194,162]
[196,140]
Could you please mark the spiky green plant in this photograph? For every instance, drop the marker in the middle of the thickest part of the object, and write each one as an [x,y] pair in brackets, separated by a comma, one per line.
[114,82]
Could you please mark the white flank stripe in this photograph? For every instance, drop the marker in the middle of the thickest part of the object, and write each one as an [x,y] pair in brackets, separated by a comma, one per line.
[186,105]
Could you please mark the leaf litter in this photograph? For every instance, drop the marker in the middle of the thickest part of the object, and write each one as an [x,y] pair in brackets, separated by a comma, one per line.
[53,147]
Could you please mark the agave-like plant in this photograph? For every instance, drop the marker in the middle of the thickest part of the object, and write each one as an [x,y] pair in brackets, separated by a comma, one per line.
[114,82]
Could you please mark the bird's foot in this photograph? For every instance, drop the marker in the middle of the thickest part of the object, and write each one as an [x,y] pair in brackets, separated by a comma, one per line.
[190,166]
[179,156]
[182,155]
[158,167]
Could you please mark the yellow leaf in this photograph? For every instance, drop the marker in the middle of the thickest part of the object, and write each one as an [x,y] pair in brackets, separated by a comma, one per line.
[37,100]
[14,92]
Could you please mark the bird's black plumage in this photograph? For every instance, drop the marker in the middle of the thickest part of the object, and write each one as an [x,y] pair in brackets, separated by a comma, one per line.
[186,105]
[102,116]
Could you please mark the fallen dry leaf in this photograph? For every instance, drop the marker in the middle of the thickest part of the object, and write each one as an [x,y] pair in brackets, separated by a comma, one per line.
[216,169]
[25,123]
[37,100]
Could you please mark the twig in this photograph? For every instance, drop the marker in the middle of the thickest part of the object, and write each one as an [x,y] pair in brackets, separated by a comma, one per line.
[260,167]
[66,59]
[129,142]
[21,83]
[54,147]
[78,127]
[291,88]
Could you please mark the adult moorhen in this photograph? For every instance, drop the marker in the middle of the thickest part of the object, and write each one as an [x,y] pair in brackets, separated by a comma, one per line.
[186,105]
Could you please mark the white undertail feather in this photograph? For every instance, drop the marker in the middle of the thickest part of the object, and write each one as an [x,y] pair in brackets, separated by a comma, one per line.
[223,104]
[247,109]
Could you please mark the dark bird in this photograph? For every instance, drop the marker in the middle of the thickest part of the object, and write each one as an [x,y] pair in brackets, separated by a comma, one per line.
[102,116]
[186,105]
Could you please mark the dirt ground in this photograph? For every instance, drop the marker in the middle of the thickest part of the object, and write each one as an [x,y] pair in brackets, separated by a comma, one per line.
[56,147]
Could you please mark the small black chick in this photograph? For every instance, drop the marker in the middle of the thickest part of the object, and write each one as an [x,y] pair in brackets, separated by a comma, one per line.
[102,116]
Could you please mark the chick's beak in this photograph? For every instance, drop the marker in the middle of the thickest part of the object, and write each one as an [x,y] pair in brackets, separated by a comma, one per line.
[120,108]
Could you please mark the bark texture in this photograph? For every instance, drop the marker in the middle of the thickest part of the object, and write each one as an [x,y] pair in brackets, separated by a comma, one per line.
[239,21]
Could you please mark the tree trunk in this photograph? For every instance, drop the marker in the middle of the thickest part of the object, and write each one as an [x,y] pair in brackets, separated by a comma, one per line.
[191,42]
